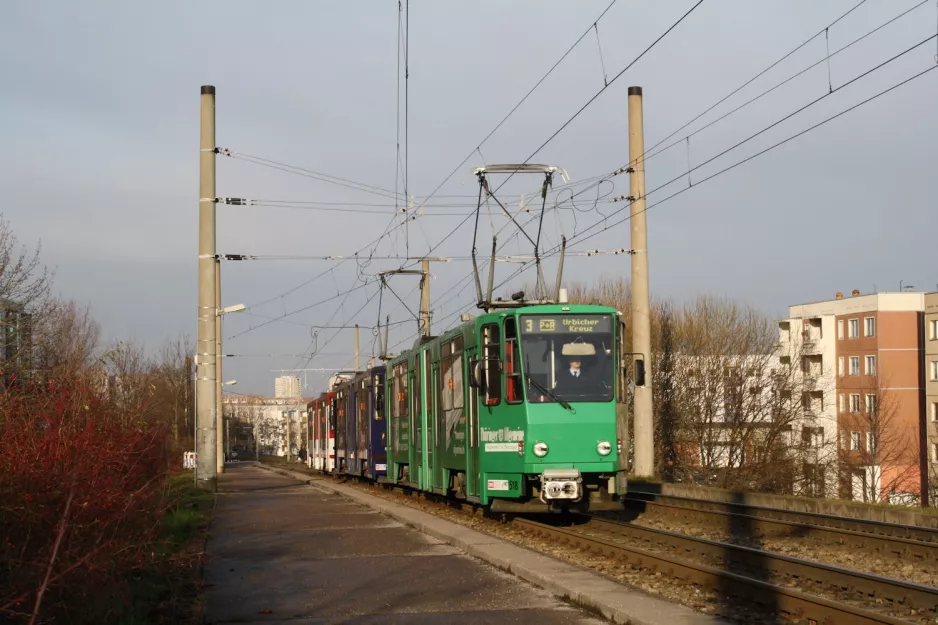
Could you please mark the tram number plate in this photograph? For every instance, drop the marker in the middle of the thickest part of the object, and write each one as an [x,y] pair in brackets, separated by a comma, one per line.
[503,485]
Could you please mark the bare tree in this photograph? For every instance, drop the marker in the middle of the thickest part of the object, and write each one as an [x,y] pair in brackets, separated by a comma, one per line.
[711,372]
[879,449]
[802,409]
[66,338]
[23,278]
[24,297]
[172,377]
[667,421]
[129,380]
[724,356]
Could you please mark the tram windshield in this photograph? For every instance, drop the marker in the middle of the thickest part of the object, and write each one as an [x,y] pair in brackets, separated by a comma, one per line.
[568,357]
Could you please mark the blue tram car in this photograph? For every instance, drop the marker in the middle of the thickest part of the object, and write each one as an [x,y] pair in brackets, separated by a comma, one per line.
[360,425]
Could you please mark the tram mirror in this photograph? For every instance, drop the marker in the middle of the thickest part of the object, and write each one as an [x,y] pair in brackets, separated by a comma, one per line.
[475,377]
[578,349]
[639,372]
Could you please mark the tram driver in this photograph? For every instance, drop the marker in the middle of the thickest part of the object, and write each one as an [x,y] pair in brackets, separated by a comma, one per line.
[573,378]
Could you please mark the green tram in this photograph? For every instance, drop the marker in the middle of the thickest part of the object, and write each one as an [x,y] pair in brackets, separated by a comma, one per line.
[495,411]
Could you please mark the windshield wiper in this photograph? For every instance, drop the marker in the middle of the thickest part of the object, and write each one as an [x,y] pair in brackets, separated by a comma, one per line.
[548,392]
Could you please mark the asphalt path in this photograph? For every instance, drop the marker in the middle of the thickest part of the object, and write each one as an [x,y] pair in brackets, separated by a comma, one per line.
[281,551]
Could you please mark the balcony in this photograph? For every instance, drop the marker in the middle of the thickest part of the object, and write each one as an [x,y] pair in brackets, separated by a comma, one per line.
[809,342]
[811,332]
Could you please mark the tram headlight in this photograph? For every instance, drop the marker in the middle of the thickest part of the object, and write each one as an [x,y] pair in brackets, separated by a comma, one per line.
[540,449]
[604,448]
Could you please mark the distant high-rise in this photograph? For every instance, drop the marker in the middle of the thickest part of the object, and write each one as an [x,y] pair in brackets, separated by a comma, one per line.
[287,386]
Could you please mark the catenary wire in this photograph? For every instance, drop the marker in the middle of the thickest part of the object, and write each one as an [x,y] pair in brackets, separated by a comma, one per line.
[596,180]
[512,111]
[792,114]
[652,153]
[329,340]
[758,75]
[581,109]
[308,173]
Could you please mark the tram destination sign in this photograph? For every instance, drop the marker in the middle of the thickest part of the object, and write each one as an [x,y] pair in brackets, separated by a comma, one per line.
[566,324]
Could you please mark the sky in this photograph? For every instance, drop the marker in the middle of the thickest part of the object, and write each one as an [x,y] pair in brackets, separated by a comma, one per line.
[99,114]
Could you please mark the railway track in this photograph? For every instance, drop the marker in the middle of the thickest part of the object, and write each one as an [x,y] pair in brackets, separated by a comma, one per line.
[763,526]
[902,542]
[750,576]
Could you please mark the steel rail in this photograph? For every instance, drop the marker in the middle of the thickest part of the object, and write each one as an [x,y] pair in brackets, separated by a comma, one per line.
[788,602]
[883,545]
[866,526]
[856,585]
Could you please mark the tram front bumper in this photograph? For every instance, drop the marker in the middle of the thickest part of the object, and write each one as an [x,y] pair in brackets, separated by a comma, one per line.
[561,485]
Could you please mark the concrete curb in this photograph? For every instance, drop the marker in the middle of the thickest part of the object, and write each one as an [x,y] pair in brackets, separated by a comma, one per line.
[579,586]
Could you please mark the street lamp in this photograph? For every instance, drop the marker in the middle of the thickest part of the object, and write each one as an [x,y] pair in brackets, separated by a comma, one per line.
[228,422]
[219,418]
[230,309]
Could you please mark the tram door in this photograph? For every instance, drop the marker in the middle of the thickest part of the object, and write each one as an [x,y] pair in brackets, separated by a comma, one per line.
[416,428]
[413,397]
[472,426]
[429,411]
[422,423]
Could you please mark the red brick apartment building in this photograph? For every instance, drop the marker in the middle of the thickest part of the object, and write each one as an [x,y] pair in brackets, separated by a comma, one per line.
[879,390]
[877,359]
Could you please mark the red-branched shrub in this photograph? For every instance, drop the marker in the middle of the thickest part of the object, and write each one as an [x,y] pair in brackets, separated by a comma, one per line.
[80,496]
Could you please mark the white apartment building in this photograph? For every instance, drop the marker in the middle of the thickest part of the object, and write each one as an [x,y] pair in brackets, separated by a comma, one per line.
[278,422]
[807,348]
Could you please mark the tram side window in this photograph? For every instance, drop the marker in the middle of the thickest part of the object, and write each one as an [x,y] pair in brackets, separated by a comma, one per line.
[457,373]
[399,405]
[451,393]
[378,386]
[341,403]
[491,351]
[513,392]
[362,398]
[418,410]
[446,377]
